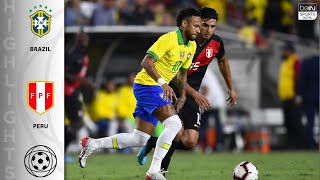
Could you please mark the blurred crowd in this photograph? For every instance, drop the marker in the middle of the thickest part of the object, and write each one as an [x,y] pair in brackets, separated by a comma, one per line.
[268,15]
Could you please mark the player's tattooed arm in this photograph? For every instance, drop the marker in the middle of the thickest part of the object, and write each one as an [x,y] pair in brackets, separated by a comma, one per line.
[200,99]
[181,83]
[224,68]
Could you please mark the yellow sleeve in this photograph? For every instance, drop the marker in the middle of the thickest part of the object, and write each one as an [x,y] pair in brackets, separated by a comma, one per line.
[161,46]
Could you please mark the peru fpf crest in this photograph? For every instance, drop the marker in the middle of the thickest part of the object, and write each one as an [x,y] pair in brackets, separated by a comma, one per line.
[209,52]
[40,96]
[40,21]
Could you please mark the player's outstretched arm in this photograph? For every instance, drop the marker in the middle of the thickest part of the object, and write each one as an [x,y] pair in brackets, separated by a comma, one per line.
[225,71]
[148,64]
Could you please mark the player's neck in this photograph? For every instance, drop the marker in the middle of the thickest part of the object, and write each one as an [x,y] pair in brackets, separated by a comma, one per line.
[201,41]
[185,39]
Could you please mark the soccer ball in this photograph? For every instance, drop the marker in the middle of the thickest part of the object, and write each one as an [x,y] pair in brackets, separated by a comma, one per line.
[245,171]
[40,161]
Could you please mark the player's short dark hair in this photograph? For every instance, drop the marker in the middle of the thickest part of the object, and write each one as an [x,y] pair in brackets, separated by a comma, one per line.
[209,13]
[186,13]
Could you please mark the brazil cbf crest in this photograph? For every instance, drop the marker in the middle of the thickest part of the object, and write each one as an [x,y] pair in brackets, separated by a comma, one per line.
[40,20]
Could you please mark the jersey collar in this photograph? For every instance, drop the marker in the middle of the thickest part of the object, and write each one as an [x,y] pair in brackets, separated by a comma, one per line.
[180,38]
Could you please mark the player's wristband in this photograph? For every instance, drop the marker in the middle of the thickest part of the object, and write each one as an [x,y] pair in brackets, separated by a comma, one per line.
[161,81]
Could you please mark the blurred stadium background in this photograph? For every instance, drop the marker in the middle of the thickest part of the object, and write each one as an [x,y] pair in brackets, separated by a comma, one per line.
[255,34]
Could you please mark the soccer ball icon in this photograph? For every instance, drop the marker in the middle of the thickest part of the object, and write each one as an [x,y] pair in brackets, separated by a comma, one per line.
[245,171]
[40,161]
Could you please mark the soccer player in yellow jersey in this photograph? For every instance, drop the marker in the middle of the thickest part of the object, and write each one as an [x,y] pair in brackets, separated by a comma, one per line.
[170,56]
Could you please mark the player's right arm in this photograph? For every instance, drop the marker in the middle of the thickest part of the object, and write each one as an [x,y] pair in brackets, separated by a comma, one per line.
[148,64]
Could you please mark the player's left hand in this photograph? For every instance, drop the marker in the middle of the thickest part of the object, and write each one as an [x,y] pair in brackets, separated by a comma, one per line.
[179,103]
[232,99]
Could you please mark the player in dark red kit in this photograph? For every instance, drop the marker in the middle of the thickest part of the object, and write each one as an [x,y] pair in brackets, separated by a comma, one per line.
[209,46]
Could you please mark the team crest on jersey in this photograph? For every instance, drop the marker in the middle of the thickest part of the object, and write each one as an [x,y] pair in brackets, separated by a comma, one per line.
[181,54]
[209,52]
[40,96]
[189,55]
[40,21]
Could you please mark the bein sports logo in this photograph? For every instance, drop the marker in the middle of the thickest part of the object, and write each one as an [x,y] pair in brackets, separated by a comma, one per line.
[40,161]
[307,11]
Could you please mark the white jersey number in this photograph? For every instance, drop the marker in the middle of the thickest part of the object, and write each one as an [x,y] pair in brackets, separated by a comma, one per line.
[194,66]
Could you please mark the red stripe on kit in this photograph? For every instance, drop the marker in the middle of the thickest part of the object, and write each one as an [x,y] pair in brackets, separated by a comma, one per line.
[32,95]
[49,95]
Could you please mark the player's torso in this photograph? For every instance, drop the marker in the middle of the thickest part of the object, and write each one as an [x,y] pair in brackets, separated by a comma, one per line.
[170,63]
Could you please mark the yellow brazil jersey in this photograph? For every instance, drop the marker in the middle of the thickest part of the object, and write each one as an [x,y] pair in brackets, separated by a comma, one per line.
[171,55]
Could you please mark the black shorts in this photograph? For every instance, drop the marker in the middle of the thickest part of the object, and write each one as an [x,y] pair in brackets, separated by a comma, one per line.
[190,114]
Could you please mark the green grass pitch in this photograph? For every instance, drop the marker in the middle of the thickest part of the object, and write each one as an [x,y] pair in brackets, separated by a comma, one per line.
[281,165]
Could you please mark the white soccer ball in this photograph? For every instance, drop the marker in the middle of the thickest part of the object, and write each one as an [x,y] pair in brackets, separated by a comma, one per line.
[245,171]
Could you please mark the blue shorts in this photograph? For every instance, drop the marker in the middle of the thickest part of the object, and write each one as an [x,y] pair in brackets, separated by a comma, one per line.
[148,99]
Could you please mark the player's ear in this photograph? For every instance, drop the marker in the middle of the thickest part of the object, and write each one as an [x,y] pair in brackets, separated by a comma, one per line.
[184,23]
